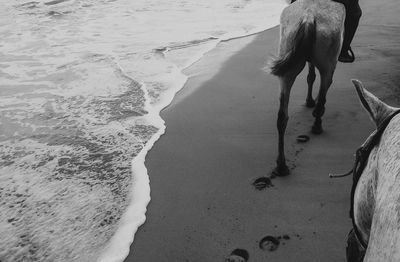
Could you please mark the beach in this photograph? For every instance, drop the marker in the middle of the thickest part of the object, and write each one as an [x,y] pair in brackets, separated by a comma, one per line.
[221,136]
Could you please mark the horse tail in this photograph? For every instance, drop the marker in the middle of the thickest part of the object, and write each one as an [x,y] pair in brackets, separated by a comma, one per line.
[300,50]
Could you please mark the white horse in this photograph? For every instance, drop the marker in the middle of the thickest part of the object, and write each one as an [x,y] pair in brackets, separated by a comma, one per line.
[376,194]
[311,30]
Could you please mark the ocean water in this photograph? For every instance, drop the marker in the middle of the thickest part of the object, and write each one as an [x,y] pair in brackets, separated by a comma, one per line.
[82,83]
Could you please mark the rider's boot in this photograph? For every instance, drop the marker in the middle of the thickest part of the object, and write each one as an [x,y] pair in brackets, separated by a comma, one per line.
[350,28]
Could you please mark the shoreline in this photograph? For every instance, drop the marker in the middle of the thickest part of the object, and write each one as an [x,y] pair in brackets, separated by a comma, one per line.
[135,216]
[221,136]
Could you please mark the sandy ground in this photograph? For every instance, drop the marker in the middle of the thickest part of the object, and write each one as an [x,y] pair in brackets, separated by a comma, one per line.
[221,136]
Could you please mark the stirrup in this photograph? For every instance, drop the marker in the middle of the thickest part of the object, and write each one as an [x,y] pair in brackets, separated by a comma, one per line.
[348,59]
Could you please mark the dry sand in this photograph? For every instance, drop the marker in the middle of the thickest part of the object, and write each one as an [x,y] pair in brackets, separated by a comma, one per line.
[221,136]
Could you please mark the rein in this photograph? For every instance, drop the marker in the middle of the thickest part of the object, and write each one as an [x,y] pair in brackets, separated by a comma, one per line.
[362,155]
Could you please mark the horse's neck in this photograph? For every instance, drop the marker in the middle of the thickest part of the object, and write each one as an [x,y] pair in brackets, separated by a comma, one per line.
[365,195]
[384,239]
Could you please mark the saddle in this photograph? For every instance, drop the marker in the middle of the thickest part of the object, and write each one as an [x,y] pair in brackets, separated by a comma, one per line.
[362,155]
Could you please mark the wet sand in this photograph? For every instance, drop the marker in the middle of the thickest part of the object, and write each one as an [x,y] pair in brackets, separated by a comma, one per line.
[221,136]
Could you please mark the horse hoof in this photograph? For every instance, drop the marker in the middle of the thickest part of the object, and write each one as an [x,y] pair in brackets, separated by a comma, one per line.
[316,130]
[281,170]
[310,103]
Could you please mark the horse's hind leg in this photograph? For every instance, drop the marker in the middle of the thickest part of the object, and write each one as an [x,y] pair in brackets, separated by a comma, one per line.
[326,81]
[286,83]
[310,81]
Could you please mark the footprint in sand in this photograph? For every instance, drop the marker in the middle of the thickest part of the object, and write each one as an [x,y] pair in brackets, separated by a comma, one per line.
[271,243]
[238,255]
[262,183]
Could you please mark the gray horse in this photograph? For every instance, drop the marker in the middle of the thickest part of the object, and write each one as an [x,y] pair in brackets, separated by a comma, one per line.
[311,31]
[376,190]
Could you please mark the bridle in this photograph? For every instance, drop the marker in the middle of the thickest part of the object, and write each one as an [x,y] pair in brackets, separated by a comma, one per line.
[362,155]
